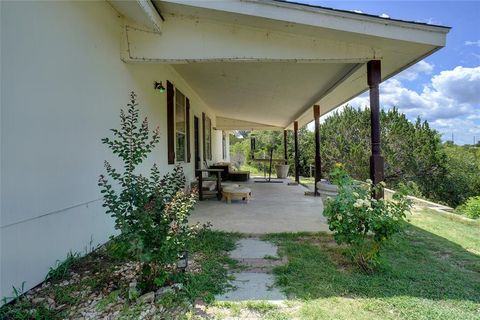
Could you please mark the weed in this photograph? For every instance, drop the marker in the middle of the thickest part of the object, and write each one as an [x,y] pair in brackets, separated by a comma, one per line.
[111,298]
[20,308]
[65,294]
[61,269]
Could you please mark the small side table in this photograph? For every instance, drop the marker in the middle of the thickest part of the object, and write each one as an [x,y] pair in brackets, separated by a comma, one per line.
[200,182]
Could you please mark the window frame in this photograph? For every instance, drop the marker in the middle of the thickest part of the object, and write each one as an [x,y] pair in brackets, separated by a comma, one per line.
[185,131]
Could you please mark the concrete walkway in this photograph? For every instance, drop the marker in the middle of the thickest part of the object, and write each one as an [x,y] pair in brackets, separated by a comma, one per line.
[274,207]
[254,282]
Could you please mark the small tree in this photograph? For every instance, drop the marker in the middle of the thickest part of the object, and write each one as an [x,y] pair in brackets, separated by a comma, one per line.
[150,212]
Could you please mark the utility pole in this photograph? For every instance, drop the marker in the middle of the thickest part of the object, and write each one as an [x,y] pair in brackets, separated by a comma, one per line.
[453,140]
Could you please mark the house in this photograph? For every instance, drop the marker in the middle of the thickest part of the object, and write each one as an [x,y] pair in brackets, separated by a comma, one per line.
[68,67]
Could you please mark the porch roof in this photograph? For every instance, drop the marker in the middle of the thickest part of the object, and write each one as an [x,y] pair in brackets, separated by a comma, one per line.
[263,63]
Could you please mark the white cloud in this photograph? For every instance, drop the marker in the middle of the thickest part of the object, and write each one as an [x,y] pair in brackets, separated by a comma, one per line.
[461,84]
[473,43]
[413,72]
[450,102]
[384,15]
[463,130]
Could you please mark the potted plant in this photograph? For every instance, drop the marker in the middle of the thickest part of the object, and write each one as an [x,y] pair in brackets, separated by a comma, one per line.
[282,170]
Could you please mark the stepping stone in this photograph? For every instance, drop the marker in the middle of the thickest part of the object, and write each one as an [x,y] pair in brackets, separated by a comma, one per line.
[255,283]
[252,286]
[253,249]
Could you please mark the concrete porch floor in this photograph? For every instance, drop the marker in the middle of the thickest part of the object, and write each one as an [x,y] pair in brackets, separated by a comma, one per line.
[274,207]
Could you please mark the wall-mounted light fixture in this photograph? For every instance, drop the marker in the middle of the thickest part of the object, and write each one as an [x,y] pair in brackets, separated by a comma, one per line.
[158,86]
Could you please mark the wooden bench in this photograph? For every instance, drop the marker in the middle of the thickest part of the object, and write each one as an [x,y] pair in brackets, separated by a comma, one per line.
[236,192]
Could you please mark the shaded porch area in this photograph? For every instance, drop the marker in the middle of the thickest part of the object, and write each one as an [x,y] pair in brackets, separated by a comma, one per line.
[273,207]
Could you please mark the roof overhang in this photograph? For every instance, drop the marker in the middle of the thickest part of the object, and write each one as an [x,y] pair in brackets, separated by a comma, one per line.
[268,62]
[141,12]
[235,124]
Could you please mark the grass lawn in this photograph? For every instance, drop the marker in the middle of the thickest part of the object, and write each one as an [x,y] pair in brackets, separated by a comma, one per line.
[429,271]
[254,172]
[306,180]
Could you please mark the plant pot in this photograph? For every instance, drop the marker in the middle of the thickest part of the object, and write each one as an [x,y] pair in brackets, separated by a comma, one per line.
[327,190]
[282,170]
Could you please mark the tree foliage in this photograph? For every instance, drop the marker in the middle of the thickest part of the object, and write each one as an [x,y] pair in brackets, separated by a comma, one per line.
[462,179]
[412,151]
[416,161]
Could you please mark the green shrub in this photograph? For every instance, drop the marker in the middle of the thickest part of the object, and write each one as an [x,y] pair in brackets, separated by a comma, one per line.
[362,222]
[150,212]
[410,188]
[471,208]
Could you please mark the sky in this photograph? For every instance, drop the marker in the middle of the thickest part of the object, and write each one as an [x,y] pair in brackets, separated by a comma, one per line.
[445,87]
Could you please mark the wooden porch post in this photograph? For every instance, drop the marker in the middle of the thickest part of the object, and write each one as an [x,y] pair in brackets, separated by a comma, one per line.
[376,159]
[318,162]
[297,159]
[285,155]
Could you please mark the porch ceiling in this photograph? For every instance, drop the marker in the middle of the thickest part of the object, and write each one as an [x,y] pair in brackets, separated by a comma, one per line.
[272,93]
[268,62]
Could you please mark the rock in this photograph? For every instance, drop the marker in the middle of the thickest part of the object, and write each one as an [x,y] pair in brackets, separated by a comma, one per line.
[178,286]
[51,301]
[163,290]
[132,290]
[117,308]
[38,300]
[147,297]
[199,304]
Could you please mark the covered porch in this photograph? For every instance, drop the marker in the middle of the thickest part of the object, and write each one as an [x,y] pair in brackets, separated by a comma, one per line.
[273,207]
[275,65]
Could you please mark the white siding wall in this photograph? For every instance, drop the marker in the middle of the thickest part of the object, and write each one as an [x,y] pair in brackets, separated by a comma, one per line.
[62,86]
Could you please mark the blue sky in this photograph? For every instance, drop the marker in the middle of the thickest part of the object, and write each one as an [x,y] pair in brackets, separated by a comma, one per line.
[444,88]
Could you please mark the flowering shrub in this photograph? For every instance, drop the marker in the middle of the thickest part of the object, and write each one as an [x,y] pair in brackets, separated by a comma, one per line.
[150,212]
[362,222]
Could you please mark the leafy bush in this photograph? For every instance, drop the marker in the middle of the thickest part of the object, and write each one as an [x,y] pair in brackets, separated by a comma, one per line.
[471,208]
[410,188]
[151,212]
[361,221]
[339,176]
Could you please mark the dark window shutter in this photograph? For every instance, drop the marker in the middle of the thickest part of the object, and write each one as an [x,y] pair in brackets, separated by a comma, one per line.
[187,124]
[204,138]
[170,123]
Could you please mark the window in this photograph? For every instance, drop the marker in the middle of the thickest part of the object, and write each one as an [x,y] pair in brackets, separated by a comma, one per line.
[180,127]
[224,145]
[208,138]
